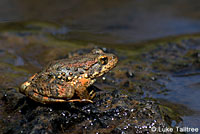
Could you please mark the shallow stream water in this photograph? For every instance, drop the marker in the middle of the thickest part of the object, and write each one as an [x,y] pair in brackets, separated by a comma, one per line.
[185,90]
[122,21]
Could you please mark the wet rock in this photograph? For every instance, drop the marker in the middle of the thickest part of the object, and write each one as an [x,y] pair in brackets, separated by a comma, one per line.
[174,57]
[111,112]
[130,74]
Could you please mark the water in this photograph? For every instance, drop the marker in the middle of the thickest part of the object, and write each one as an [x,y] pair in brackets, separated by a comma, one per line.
[185,90]
[110,21]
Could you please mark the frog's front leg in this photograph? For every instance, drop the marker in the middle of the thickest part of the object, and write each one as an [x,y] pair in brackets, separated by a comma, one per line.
[83,94]
[92,94]
[81,88]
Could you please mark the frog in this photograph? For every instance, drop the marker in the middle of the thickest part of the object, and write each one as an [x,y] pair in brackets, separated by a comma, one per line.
[67,80]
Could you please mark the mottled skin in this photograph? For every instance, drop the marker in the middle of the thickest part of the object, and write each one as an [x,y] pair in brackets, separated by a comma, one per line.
[63,79]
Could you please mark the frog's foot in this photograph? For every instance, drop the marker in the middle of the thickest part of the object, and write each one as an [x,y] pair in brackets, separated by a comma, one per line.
[92,94]
[80,100]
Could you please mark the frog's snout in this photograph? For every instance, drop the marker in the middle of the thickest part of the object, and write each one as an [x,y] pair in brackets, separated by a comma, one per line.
[24,86]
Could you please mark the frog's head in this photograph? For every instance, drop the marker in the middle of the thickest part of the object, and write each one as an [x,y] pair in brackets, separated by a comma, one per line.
[104,63]
[88,66]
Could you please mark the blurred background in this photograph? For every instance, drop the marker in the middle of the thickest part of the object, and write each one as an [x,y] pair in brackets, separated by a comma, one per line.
[121,21]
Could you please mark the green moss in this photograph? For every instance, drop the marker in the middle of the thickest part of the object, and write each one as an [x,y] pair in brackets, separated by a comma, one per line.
[31,26]
[169,114]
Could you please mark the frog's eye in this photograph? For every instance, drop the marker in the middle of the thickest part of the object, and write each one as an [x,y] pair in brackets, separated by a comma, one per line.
[103,60]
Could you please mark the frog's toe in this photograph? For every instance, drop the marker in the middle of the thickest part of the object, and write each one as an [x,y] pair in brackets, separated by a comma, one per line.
[80,100]
[92,94]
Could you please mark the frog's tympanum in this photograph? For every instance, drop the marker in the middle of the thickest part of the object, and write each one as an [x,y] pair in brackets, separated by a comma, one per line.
[64,79]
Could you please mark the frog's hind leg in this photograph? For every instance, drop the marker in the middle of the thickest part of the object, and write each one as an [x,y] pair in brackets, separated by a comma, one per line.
[45,100]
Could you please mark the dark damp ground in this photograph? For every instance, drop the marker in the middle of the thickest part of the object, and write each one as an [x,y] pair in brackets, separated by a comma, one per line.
[156,83]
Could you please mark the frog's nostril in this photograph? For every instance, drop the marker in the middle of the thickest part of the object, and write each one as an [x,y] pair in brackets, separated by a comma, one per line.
[114,57]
